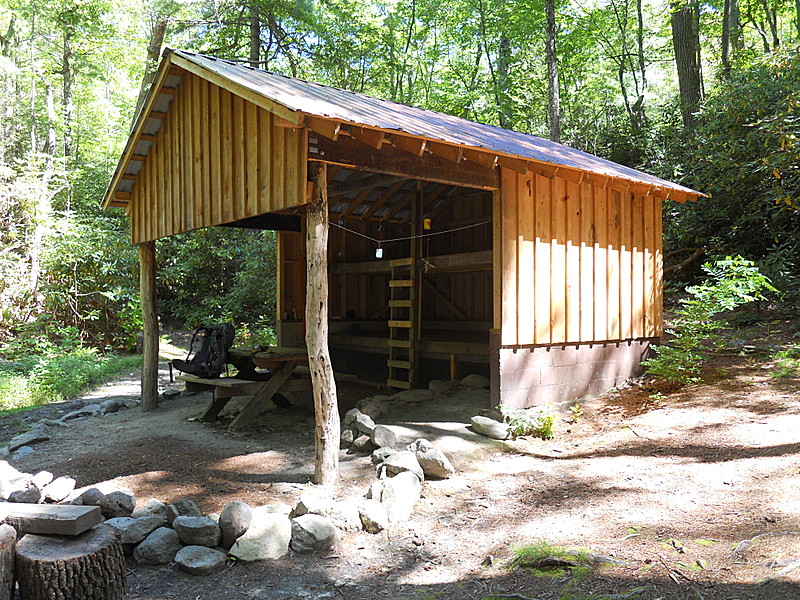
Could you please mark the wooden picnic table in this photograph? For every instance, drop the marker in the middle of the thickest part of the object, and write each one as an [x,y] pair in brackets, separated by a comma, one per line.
[279,361]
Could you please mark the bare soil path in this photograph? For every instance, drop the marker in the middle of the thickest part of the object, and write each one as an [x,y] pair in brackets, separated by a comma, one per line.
[698,493]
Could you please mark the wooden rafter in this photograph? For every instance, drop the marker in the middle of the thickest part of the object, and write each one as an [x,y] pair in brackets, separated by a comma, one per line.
[378,204]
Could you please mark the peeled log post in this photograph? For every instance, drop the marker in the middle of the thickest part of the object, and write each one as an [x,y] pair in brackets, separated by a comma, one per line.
[326,407]
[8,542]
[147,294]
[90,566]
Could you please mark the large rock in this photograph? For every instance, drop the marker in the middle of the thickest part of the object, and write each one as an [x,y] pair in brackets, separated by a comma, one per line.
[364,424]
[268,536]
[160,547]
[383,437]
[39,433]
[312,532]
[90,410]
[117,504]
[58,489]
[133,531]
[342,513]
[413,396]
[183,507]
[153,508]
[433,461]
[313,502]
[200,560]
[11,479]
[91,497]
[30,495]
[404,460]
[42,478]
[346,439]
[362,445]
[399,495]
[374,406]
[374,517]
[381,454]
[490,428]
[349,418]
[474,381]
[234,520]
[437,386]
[111,405]
[197,531]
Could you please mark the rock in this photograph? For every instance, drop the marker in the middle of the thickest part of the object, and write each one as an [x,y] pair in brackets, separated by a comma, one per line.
[375,491]
[312,502]
[132,402]
[364,424]
[154,507]
[199,560]
[437,386]
[383,437]
[433,461]
[111,405]
[160,547]
[52,422]
[91,497]
[90,410]
[4,452]
[362,445]
[171,392]
[381,454]
[183,507]
[58,489]
[41,479]
[138,529]
[413,396]
[30,495]
[374,517]
[268,536]
[22,453]
[475,381]
[403,461]
[349,417]
[117,504]
[346,439]
[197,531]
[11,479]
[490,428]
[313,532]
[374,406]
[120,523]
[39,433]
[234,520]
[493,413]
[344,515]
[399,496]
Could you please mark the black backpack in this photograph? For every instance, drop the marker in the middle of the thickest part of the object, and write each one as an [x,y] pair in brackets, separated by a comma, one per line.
[209,360]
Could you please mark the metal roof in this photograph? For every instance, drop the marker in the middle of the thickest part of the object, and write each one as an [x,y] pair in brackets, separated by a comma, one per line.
[361,110]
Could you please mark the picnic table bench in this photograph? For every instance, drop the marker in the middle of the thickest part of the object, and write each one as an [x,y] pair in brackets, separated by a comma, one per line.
[280,362]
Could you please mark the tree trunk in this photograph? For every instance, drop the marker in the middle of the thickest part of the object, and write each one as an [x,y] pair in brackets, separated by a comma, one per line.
[8,543]
[255,35]
[326,408]
[553,96]
[147,292]
[772,20]
[685,42]
[153,56]
[66,100]
[797,16]
[90,566]
[504,83]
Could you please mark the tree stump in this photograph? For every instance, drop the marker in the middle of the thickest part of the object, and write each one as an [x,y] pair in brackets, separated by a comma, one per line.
[8,541]
[90,566]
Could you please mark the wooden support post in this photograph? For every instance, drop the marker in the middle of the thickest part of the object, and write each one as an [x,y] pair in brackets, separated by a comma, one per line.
[147,293]
[326,407]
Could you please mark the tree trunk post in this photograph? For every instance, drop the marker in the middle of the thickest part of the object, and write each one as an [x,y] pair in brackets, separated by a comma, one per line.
[147,293]
[326,407]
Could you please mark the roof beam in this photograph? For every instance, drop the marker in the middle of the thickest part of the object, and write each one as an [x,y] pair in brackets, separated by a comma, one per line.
[370,137]
[364,183]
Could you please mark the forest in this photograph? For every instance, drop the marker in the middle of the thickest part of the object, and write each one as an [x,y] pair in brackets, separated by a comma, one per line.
[701,93]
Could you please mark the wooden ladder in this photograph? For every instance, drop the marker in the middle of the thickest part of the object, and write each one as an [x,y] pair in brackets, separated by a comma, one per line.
[402,324]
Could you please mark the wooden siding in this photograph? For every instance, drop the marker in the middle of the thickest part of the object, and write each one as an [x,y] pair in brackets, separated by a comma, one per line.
[216,159]
[580,262]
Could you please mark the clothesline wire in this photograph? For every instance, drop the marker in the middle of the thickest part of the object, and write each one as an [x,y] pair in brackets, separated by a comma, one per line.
[410,237]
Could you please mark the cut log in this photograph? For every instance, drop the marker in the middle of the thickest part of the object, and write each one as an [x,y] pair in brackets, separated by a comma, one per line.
[87,567]
[54,519]
[8,542]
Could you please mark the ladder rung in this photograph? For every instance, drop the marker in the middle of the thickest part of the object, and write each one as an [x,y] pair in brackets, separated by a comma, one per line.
[403,324]
[395,383]
[400,303]
[401,262]
[399,364]
[394,283]
[399,343]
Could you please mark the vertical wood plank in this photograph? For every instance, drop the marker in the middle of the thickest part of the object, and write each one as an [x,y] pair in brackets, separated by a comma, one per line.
[558,262]
[278,157]
[167,160]
[497,260]
[649,267]
[264,161]
[587,262]
[526,265]
[293,193]
[510,202]
[204,140]
[626,267]
[215,154]
[659,282]
[612,274]
[638,274]
[226,155]
[238,161]
[573,258]
[543,237]
[251,157]
[600,264]
[147,294]
[195,215]
[187,157]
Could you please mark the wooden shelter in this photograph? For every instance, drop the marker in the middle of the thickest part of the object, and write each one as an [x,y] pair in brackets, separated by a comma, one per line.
[454,247]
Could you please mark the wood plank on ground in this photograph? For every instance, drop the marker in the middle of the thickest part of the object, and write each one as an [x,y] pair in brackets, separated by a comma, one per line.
[49,519]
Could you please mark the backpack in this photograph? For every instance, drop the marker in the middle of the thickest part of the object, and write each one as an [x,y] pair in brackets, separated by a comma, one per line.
[210,358]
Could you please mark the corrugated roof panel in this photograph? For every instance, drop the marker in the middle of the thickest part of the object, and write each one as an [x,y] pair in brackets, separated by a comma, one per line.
[358,109]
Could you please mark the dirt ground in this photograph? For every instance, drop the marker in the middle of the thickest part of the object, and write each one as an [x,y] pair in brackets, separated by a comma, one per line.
[697,493]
